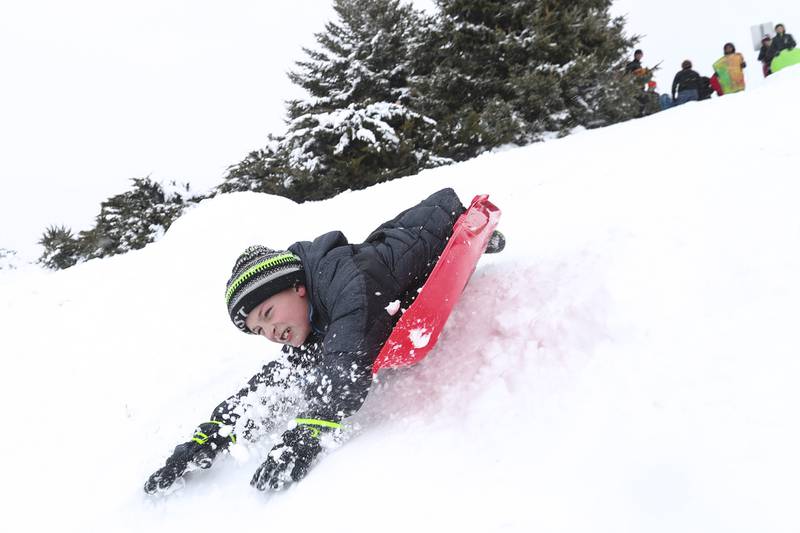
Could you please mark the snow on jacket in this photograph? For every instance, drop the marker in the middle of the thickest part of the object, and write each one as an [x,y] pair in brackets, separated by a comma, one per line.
[349,288]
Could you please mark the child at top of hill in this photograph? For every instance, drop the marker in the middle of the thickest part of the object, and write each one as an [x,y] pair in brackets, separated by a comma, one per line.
[686,84]
[730,70]
[635,66]
[328,302]
[782,41]
[765,55]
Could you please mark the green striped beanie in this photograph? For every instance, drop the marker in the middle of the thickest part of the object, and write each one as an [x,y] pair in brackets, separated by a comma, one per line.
[259,273]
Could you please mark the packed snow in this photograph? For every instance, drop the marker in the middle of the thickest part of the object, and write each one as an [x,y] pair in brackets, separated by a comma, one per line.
[629,363]
[420,337]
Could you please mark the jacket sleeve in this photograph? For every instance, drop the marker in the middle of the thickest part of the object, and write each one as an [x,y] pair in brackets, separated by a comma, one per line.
[410,244]
[274,373]
[790,44]
[338,387]
[338,383]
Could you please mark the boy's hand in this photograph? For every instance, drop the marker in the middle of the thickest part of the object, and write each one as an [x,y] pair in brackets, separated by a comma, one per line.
[199,452]
[288,461]
[291,459]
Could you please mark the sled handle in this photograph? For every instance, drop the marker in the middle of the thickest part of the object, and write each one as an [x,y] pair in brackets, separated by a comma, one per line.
[480,211]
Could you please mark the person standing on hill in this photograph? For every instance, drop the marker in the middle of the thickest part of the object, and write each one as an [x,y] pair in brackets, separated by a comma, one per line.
[765,55]
[635,66]
[782,41]
[730,70]
[685,85]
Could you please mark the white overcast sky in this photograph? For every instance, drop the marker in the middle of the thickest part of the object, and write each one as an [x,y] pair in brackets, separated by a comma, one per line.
[97,92]
[94,92]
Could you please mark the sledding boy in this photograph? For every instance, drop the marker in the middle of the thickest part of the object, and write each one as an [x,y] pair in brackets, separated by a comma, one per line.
[782,41]
[326,301]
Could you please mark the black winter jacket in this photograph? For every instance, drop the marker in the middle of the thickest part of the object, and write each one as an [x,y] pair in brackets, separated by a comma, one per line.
[349,287]
[633,66]
[782,42]
[685,80]
[765,55]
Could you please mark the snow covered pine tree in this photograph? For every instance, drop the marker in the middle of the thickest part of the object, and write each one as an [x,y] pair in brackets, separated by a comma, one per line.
[492,72]
[127,221]
[357,127]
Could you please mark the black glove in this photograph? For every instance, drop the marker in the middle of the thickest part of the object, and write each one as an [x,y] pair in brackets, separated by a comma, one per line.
[290,459]
[199,452]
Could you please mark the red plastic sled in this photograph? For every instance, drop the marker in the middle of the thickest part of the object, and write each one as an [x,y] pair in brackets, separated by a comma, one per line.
[418,329]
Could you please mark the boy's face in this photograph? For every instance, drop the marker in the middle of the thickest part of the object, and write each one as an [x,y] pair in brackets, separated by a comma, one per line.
[282,318]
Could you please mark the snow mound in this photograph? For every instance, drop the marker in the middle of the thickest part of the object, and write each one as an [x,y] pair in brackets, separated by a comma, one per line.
[628,363]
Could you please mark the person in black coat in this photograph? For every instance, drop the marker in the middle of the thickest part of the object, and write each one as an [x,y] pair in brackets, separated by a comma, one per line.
[704,88]
[635,66]
[685,85]
[782,41]
[327,301]
[765,55]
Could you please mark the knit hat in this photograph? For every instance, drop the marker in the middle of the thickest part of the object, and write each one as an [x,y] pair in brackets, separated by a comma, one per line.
[259,273]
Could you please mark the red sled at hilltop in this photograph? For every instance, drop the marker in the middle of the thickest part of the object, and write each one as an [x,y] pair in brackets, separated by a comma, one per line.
[418,329]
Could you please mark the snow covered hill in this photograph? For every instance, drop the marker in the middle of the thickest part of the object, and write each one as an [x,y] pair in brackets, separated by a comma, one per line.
[628,364]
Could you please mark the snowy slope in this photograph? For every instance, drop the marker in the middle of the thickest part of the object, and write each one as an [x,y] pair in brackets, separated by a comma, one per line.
[628,364]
